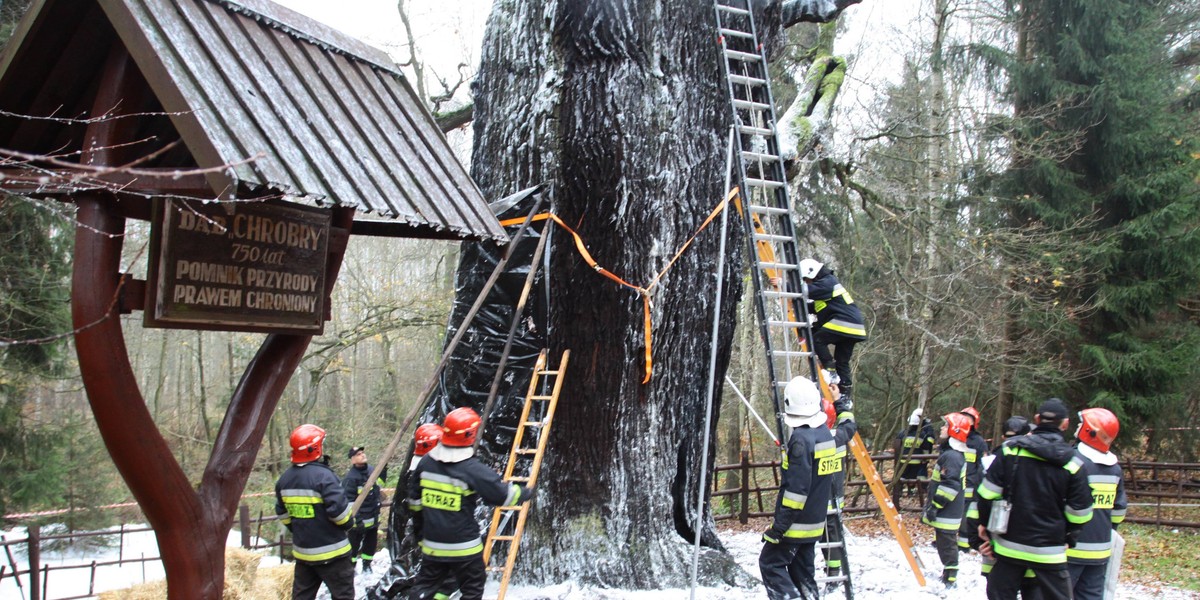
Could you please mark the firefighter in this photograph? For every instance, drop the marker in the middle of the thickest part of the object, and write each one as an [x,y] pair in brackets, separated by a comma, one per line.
[444,489]
[840,422]
[1087,561]
[809,458]
[977,451]
[918,438]
[1015,426]
[364,536]
[1038,480]
[839,321]
[313,504]
[944,512]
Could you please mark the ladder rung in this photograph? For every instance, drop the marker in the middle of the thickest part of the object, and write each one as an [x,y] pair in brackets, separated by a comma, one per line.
[787,295]
[532,423]
[771,237]
[503,538]
[743,56]
[835,578]
[733,10]
[755,130]
[518,480]
[766,183]
[744,80]
[748,155]
[751,105]
[509,508]
[791,353]
[736,33]
[759,209]
[526,451]
[821,545]
[789,324]
[543,373]
[541,397]
[777,265]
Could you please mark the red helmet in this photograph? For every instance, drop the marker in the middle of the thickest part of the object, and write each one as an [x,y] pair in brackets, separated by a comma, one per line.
[971,410]
[1098,428]
[306,443]
[427,436]
[830,413]
[461,425]
[958,425]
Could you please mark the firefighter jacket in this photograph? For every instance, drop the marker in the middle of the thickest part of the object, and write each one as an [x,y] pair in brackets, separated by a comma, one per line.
[842,434]
[1042,476]
[917,439]
[809,461]
[1107,484]
[946,499]
[977,448]
[352,483]
[834,307]
[313,504]
[445,494]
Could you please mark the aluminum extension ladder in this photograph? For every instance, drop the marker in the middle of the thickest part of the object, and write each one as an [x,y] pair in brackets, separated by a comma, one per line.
[779,292]
[524,462]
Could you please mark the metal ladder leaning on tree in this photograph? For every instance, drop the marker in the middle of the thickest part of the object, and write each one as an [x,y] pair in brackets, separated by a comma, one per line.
[524,462]
[779,292]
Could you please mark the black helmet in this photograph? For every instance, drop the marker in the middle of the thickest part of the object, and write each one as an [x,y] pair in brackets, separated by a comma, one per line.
[1016,426]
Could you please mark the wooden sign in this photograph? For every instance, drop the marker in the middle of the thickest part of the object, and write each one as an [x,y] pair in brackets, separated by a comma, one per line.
[238,266]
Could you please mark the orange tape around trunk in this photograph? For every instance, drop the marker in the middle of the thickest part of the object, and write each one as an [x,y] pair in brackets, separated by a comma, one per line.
[644,292]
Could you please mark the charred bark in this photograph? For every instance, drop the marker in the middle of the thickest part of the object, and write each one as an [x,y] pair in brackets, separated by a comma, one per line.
[620,108]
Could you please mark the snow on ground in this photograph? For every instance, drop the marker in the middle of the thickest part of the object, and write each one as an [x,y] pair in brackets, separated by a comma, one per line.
[877,566]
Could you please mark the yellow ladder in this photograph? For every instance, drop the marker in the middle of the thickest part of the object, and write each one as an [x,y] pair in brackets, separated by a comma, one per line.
[524,462]
[867,466]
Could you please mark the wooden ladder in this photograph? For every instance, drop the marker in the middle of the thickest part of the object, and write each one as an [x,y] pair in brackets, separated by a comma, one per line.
[524,462]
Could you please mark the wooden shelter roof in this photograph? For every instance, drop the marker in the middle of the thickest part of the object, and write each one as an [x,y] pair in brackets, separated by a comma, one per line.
[262,100]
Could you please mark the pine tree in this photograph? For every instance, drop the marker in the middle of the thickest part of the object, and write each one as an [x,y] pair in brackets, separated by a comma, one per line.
[1096,77]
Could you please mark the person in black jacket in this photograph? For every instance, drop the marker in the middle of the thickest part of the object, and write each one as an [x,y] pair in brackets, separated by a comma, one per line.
[1042,477]
[918,438]
[786,562]
[946,499]
[1088,559]
[310,498]
[977,452]
[841,424]
[364,536]
[444,490]
[839,322]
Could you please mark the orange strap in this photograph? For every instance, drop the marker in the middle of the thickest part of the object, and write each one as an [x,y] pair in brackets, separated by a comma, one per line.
[644,292]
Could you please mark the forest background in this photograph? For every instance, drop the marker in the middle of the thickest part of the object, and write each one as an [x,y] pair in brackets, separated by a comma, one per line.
[1014,204]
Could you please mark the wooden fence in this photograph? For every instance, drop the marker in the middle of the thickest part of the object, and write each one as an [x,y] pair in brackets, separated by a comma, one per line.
[1166,494]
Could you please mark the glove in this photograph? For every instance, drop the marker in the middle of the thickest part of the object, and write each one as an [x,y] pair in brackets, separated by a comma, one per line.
[915,417]
[1072,537]
[529,494]
[843,405]
[773,535]
[930,514]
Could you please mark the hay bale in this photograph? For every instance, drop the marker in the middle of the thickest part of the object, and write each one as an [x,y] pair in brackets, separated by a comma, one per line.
[274,583]
[243,581]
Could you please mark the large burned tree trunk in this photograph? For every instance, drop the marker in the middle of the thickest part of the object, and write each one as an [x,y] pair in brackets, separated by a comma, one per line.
[620,107]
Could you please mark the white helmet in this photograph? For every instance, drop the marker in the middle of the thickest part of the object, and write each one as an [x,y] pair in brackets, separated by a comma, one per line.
[802,404]
[809,268]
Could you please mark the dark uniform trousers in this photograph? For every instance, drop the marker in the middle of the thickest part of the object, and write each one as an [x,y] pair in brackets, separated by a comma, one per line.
[364,541]
[798,561]
[1087,580]
[338,575]
[469,574]
[1052,582]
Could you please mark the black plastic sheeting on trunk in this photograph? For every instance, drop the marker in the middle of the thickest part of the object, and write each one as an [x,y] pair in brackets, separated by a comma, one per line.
[467,378]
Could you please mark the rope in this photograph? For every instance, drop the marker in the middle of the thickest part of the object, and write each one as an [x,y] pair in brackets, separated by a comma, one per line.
[647,291]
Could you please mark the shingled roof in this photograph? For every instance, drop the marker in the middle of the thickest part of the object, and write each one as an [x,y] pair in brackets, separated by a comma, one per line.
[285,104]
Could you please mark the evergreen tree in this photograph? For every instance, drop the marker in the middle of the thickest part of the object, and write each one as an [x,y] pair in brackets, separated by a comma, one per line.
[1096,77]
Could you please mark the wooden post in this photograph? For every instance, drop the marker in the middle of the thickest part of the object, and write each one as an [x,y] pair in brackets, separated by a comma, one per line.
[35,560]
[744,516]
[244,524]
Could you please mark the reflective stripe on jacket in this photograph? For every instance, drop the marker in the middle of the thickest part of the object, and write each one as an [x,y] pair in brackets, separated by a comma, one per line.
[314,507]
[446,494]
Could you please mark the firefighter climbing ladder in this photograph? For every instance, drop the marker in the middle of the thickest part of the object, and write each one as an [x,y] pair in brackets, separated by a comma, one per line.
[779,293]
[524,462]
